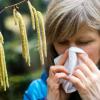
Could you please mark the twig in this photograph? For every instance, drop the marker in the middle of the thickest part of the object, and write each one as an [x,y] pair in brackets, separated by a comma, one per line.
[12,6]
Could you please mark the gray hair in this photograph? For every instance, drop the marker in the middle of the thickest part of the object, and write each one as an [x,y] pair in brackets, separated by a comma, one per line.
[65,17]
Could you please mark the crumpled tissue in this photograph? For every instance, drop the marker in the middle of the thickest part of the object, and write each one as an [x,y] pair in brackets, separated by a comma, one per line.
[70,64]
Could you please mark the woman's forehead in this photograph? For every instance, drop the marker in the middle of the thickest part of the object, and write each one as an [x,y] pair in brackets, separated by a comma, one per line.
[83,32]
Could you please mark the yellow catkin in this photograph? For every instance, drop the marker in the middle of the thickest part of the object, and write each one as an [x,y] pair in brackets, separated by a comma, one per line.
[0,75]
[3,71]
[41,21]
[39,35]
[37,19]
[1,79]
[1,68]
[15,20]
[32,14]
[2,64]
[25,48]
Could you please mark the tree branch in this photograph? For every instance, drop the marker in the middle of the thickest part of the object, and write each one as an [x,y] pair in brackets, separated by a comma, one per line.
[12,6]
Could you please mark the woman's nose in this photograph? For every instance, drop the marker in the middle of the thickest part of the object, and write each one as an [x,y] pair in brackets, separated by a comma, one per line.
[72,45]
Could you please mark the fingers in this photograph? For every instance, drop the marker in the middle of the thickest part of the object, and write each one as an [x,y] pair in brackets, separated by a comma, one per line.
[84,69]
[63,58]
[88,62]
[57,69]
[78,73]
[79,80]
[61,76]
[56,73]
[77,83]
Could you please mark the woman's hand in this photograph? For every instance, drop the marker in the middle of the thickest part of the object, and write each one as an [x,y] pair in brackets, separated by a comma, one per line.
[86,78]
[55,91]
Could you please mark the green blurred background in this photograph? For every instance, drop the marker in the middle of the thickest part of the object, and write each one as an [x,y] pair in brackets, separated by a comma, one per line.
[20,75]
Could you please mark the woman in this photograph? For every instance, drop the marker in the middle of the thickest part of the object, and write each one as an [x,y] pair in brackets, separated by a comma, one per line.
[70,23]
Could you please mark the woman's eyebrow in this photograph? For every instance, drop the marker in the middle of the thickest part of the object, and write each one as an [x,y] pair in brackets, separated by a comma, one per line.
[63,40]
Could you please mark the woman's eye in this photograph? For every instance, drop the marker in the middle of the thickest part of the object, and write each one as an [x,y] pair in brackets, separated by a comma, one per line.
[63,42]
[84,42]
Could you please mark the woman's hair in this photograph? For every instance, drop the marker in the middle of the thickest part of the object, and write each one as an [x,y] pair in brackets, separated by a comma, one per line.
[65,17]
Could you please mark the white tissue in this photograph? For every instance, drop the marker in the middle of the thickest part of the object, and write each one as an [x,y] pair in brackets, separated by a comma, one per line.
[70,64]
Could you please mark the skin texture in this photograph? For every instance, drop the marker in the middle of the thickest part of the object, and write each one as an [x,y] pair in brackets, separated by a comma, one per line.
[86,77]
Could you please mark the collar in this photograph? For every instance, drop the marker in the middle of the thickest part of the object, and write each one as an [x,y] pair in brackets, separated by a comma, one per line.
[44,76]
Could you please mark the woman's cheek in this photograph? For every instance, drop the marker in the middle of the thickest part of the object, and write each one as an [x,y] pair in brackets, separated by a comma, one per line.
[60,49]
[93,52]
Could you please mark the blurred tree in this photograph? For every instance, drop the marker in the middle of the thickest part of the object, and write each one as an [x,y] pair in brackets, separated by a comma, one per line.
[19,74]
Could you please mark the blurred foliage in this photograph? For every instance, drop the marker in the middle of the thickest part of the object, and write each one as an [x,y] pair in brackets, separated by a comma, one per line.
[20,75]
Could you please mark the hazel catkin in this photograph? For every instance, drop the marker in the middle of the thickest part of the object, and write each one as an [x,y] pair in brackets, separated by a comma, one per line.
[37,21]
[3,71]
[39,35]
[40,17]
[25,47]
[32,14]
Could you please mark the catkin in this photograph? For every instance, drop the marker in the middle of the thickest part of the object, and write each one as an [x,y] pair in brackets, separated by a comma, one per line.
[43,33]
[25,48]
[32,14]
[39,35]
[3,72]
[15,20]
[37,19]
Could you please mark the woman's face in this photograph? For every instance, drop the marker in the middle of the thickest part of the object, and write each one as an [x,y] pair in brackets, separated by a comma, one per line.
[87,38]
